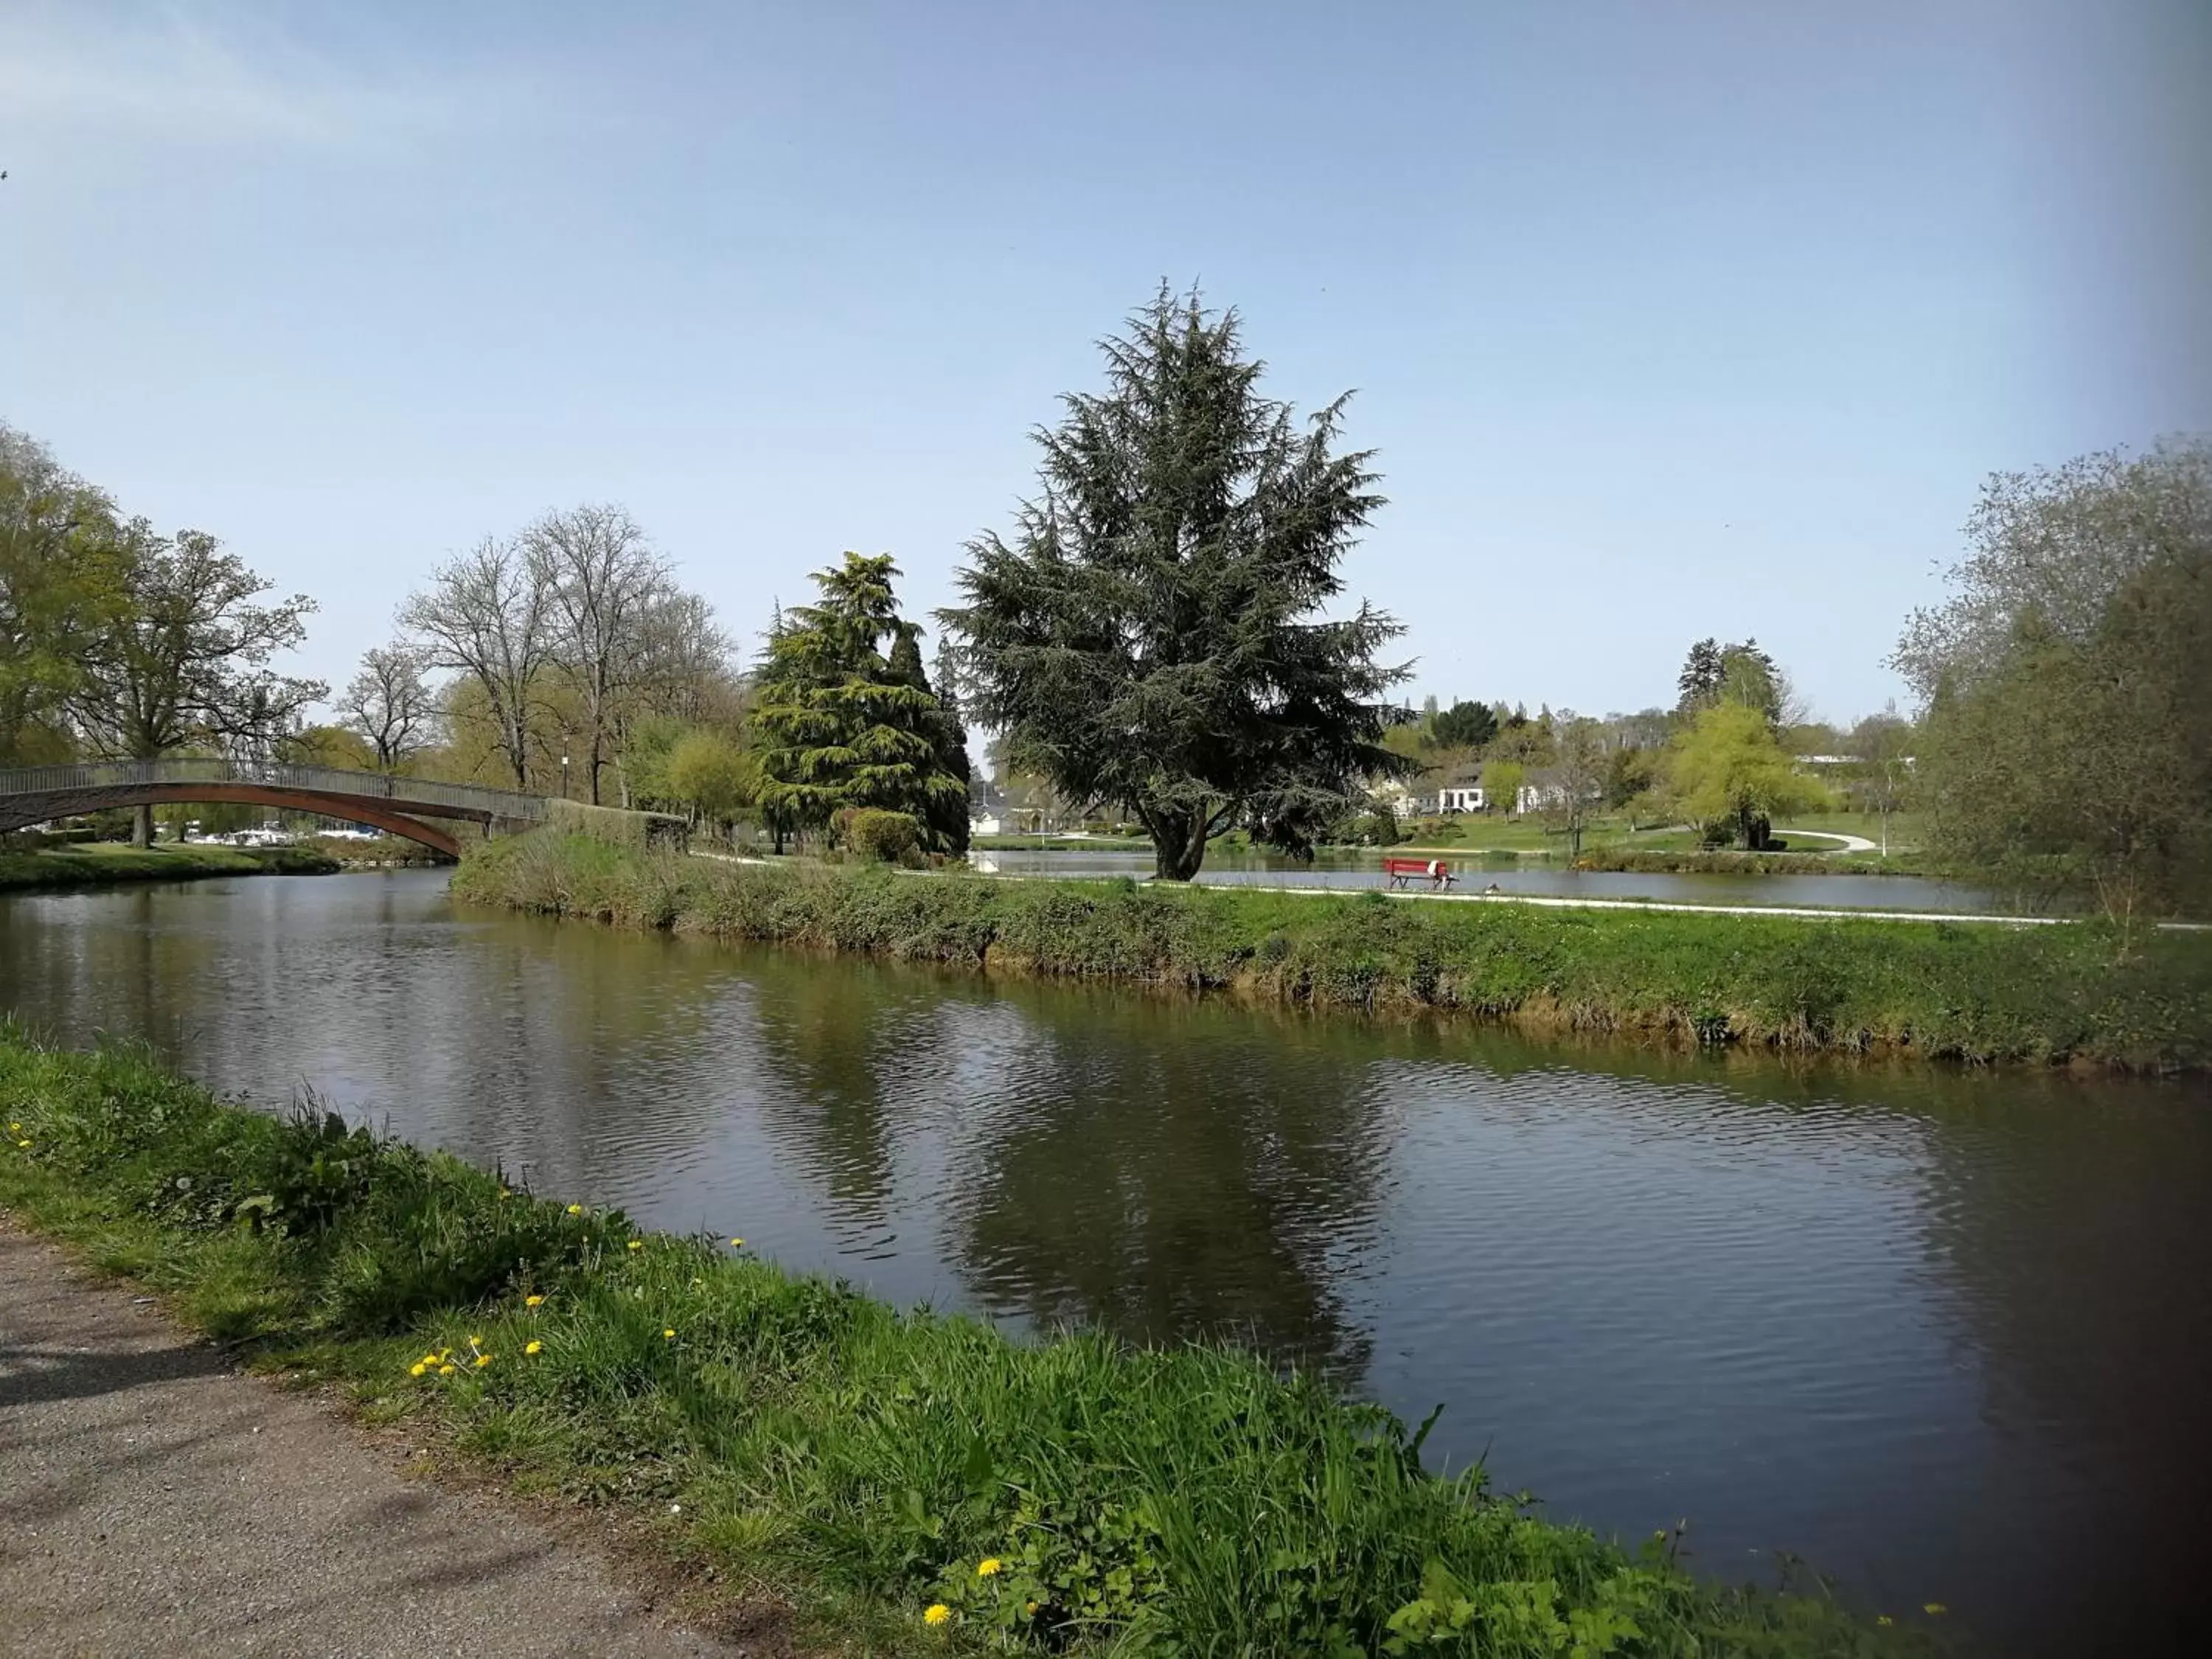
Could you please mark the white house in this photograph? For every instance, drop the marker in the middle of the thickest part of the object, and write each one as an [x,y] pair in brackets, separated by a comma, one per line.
[987,809]
[1461,798]
[1462,792]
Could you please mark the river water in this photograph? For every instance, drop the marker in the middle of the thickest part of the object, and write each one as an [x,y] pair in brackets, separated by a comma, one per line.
[1941,1335]
[1511,875]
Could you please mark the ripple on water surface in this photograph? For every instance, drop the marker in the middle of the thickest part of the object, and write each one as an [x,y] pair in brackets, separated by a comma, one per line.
[1939,1334]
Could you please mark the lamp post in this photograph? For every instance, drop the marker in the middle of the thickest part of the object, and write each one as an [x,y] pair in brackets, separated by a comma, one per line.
[564,777]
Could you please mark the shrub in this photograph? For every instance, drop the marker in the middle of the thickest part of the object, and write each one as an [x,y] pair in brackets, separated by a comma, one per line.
[874,833]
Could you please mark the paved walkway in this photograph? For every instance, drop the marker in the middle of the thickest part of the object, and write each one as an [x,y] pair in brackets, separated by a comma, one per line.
[154,1501]
[1849,843]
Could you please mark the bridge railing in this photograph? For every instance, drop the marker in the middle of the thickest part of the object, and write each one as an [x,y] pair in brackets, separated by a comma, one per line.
[320,780]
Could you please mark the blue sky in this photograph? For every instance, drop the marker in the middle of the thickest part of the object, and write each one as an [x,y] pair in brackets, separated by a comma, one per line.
[1668,319]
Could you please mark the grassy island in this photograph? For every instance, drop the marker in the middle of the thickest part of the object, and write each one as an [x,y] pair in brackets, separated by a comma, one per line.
[912,1482]
[99,864]
[1977,992]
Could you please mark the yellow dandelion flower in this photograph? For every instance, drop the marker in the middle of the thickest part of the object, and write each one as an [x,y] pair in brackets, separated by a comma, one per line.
[25,1145]
[532,1345]
[445,1371]
[14,1128]
[1030,1608]
[575,1209]
[482,1359]
[432,1358]
[669,1333]
[989,1567]
[936,1613]
[1934,1609]
[533,1301]
[737,1243]
[475,1340]
[445,1353]
[417,1369]
[637,1244]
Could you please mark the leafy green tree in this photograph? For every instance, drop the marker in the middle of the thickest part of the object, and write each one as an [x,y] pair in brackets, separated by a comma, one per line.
[1154,635]
[2067,735]
[1502,783]
[834,726]
[1465,726]
[1728,769]
[1629,772]
[186,661]
[946,816]
[710,775]
[60,590]
[1742,673]
[327,745]
[1700,682]
[1753,678]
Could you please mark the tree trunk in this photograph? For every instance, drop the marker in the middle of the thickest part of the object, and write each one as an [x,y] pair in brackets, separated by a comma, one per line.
[141,828]
[1178,844]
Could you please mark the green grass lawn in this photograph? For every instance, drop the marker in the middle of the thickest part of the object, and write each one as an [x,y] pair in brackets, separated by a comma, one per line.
[97,863]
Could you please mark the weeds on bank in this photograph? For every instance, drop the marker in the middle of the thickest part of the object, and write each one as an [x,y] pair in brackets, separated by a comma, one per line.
[1972,992]
[907,1472]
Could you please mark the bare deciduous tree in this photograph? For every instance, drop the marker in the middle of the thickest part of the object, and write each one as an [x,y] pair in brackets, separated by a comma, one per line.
[1880,748]
[489,614]
[1573,788]
[387,703]
[605,582]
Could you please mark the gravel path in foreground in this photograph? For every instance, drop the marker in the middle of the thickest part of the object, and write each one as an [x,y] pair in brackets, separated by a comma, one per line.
[153,1500]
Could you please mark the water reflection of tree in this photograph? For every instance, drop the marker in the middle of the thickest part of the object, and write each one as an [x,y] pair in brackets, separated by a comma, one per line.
[1170,1171]
[836,1037]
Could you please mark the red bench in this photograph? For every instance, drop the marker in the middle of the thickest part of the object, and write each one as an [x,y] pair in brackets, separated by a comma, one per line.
[1404,872]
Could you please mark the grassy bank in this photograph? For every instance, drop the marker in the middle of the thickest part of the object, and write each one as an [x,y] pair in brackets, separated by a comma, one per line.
[805,1441]
[100,863]
[1691,862]
[1972,992]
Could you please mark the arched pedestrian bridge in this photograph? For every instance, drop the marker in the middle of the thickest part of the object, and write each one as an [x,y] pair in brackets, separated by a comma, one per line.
[432,813]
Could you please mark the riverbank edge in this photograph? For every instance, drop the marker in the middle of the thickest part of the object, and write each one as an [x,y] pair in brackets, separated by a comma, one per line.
[1833,861]
[1836,862]
[2068,995]
[795,1442]
[101,864]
